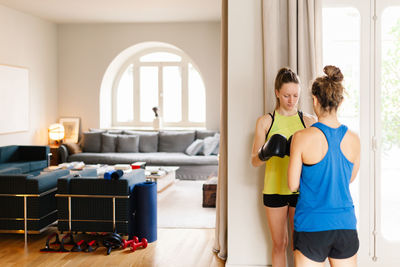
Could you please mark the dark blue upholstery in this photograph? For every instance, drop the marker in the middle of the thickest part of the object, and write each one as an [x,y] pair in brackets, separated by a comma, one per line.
[27,158]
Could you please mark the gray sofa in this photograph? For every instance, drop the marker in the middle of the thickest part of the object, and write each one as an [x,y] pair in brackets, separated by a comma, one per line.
[194,152]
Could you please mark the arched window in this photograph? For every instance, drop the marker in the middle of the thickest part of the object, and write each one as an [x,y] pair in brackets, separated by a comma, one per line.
[159,77]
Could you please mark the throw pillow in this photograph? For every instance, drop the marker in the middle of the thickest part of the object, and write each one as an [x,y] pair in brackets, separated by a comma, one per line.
[174,141]
[108,142]
[73,148]
[128,143]
[210,144]
[195,148]
[92,142]
[216,150]
[148,141]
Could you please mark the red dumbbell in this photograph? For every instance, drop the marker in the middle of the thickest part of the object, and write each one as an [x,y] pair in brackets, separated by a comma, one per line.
[143,244]
[126,243]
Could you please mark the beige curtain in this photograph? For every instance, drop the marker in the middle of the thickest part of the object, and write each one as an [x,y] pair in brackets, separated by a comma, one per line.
[292,36]
[220,244]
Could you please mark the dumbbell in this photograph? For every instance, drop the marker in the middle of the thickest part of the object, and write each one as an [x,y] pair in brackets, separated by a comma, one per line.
[92,246]
[126,243]
[143,244]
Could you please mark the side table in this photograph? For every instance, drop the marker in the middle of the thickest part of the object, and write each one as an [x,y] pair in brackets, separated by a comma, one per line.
[54,159]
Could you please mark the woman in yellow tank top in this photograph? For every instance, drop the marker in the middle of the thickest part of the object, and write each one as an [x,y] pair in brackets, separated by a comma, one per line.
[279,201]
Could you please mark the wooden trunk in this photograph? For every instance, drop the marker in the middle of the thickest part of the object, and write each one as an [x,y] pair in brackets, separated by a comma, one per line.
[209,195]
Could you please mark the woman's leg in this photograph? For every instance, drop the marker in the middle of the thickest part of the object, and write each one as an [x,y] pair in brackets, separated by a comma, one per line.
[349,262]
[291,222]
[302,261]
[277,220]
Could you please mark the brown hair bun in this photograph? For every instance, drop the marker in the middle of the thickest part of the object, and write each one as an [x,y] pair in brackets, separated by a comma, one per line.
[329,89]
[333,73]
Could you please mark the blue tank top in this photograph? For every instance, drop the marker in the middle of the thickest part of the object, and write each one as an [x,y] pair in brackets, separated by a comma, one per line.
[325,202]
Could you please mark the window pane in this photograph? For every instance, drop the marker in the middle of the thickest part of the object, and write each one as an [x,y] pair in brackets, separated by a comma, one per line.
[341,47]
[197,97]
[160,57]
[172,94]
[390,121]
[148,92]
[124,105]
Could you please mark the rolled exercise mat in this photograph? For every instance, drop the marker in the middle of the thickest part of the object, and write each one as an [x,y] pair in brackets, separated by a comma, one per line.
[113,175]
[145,211]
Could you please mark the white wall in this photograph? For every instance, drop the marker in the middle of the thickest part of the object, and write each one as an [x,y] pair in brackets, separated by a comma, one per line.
[248,235]
[31,42]
[86,50]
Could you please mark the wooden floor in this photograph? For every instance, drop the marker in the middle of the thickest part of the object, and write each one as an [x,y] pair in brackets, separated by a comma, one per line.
[174,247]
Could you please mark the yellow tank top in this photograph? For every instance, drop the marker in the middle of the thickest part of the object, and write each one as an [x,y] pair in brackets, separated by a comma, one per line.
[275,180]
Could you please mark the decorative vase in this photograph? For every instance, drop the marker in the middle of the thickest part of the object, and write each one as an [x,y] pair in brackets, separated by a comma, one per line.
[157,123]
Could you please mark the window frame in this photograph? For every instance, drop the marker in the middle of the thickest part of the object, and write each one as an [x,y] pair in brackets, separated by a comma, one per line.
[135,60]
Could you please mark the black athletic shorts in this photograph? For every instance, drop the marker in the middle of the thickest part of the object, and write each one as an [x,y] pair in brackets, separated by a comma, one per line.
[337,244]
[277,201]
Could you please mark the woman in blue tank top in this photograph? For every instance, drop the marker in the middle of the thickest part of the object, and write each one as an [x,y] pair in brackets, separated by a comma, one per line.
[324,160]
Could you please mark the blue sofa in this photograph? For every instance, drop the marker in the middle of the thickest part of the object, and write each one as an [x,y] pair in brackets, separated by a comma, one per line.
[27,198]
[29,159]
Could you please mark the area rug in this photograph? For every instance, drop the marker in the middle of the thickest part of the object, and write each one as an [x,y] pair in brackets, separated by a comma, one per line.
[180,206]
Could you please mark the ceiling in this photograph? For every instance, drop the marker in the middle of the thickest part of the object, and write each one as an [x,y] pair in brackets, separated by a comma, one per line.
[112,11]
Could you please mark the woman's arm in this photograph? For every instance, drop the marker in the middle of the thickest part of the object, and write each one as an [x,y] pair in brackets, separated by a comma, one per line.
[262,126]
[295,161]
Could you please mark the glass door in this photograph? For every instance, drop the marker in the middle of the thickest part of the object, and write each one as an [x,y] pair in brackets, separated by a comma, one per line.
[387,104]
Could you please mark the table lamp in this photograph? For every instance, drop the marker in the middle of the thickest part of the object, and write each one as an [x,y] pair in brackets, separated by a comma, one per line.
[56,132]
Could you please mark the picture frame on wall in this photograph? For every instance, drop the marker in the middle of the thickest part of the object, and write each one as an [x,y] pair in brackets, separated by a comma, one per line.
[71,129]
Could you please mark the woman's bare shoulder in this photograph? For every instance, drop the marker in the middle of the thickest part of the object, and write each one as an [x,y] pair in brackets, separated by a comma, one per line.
[353,137]
[264,121]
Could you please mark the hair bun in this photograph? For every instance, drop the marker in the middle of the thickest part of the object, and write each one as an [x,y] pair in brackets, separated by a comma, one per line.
[333,73]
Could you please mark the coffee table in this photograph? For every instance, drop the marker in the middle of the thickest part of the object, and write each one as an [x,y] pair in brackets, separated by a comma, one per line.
[164,176]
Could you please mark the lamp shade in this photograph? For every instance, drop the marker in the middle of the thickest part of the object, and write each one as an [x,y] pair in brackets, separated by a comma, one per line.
[56,131]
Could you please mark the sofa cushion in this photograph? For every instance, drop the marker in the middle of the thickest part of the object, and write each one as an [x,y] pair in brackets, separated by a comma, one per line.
[73,148]
[24,166]
[201,134]
[195,148]
[128,143]
[148,141]
[10,170]
[174,141]
[43,182]
[108,142]
[37,165]
[92,142]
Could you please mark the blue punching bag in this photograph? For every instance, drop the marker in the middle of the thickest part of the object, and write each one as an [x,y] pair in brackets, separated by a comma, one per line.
[145,211]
